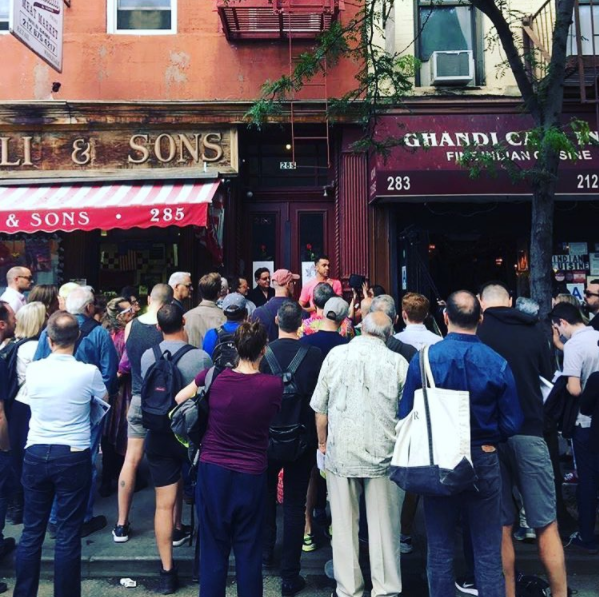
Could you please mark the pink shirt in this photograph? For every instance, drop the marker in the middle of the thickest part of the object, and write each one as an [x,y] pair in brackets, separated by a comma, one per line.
[307,295]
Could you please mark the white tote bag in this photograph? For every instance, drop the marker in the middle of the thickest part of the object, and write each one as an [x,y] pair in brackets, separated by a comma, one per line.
[432,451]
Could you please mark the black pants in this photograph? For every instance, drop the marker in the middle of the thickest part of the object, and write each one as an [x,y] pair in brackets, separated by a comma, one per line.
[295,483]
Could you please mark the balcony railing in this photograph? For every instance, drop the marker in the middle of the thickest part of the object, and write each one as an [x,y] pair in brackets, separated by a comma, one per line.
[277,19]
[582,69]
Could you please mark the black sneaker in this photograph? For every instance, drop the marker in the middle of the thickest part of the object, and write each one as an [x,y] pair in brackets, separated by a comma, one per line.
[169,581]
[291,587]
[180,536]
[120,533]
[97,523]
[466,585]
[3,587]
[8,545]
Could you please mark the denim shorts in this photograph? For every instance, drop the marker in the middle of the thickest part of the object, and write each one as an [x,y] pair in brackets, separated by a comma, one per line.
[525,464]
[135,428]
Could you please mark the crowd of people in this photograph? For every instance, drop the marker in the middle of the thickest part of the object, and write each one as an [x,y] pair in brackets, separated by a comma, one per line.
[304,395]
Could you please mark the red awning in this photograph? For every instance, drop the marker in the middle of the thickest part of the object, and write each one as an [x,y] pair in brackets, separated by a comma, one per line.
[104,206]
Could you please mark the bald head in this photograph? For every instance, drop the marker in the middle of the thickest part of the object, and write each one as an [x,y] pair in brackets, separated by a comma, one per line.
[377,324]
[463,311]
[494,295]
[161,294]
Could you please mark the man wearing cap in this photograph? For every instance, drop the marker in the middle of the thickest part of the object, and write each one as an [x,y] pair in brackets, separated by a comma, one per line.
[328,336]
[235,309]
[283,281]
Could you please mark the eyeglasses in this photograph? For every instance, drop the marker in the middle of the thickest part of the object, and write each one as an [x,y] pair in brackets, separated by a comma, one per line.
[588,293]
[190,286]
[30,278]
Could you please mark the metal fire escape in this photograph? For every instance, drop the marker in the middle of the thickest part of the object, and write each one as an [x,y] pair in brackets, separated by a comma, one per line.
[582,70]
[298,22]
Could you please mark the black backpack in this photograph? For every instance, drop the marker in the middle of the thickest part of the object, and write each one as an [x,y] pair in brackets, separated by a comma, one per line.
[10,379]
[528,585]
[289,433]
[225,354]
[162,382]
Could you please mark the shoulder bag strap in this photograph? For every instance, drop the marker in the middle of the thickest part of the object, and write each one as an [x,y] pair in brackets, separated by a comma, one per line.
[430,380]
[275,368]
[297,359]
[424,365]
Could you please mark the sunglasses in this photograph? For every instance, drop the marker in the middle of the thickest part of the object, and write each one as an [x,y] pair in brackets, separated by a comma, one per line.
[30,278]
[588,293]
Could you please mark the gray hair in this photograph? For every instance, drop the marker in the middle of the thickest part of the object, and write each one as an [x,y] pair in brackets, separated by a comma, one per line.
[384,303]
[78,299]
[527,305]
[161,294]
[178,278]
[378,325]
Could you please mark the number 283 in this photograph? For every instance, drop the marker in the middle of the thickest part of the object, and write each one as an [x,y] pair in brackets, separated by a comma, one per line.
[398,183]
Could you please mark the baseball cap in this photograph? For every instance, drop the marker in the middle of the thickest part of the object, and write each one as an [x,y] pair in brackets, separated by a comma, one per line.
[284,276]
[234,302]
[336,309]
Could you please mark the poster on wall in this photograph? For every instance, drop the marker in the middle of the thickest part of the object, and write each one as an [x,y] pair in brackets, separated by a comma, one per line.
[578,248]
[269,265]
[308,271]
[576,290]
[38,254]
[594,263]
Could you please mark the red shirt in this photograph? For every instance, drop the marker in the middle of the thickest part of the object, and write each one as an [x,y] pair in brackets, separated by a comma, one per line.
[307,295]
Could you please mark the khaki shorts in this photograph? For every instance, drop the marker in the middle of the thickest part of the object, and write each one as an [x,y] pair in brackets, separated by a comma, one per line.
[135,428]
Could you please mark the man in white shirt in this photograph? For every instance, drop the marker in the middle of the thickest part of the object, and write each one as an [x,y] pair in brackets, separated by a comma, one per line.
[414,310]
[57,462]
[356,402]
[581,358]
[18,279]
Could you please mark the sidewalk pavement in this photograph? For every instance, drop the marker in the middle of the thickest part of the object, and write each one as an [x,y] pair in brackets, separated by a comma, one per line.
[102,558]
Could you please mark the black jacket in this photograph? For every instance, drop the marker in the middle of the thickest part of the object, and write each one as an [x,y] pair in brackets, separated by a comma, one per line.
[520,340]
[407,351]
[589,405]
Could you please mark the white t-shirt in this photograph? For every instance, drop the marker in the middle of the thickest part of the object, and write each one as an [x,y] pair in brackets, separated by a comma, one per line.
[60,390]
[25,356]
[581,358]
[418,336]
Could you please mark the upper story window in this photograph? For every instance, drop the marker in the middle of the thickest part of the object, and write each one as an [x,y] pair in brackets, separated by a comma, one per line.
[447,43]
[139,17]
[3,16]
[588,18]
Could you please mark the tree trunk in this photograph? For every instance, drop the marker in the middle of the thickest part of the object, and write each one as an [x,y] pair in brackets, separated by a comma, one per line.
[541,231]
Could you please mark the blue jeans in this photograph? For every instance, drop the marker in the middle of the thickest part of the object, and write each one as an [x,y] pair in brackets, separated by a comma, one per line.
[51,471]
[96,437]
[483,510]
[6,474]
[587,464]
[231,513]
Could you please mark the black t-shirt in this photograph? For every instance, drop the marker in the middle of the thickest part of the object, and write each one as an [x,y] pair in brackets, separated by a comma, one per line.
[257,296]
[325,340]
[307,374]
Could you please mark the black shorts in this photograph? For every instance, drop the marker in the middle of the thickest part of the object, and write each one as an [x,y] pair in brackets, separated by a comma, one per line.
[166,457]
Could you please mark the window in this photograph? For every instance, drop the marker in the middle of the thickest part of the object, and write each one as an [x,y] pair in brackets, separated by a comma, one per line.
[589,30]
[153,17]
[3,16]
[444,25]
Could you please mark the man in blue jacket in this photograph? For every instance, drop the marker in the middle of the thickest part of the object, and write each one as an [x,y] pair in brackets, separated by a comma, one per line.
[462,362]
[93,347]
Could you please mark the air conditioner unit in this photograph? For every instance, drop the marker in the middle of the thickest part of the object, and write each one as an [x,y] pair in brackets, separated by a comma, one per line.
[452,67]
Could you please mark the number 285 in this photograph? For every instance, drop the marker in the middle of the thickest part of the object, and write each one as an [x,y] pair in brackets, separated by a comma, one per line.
[167,214]
[398,183]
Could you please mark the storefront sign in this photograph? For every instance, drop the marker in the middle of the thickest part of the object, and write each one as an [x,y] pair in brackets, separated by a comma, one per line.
[39,25]
[206,150]
[570,262]
[427,162]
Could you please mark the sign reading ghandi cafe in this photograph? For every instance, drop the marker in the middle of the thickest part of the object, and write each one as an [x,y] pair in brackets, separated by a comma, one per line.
[125,154]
